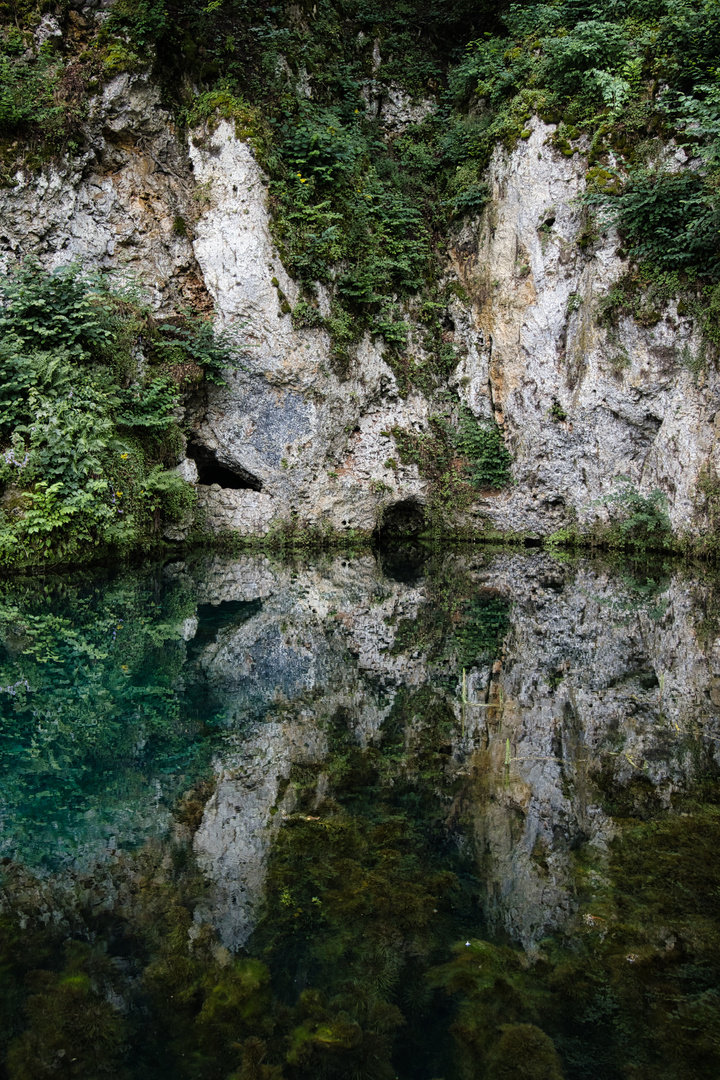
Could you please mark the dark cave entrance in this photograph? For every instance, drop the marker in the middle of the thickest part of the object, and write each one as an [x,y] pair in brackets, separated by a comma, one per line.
[404,520]
[398,548]
[210,471]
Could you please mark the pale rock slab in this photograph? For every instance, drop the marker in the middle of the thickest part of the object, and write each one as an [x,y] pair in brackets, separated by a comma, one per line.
[116,206]
[310,438]
[632,407]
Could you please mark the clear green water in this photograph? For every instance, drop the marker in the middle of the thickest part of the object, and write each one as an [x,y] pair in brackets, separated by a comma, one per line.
[433,817]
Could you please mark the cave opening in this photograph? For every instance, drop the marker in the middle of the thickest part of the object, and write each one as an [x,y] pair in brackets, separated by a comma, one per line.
[399,550]
[211,471]
[404,520]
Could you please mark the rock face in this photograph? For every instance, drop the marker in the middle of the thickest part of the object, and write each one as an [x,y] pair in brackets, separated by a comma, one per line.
[579,405]
[119,205]
[630,404]
[284,420]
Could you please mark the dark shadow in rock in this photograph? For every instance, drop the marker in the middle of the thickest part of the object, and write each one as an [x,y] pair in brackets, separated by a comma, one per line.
[210,471]
[400,554]
[212,618]
[401,521]
[403,562]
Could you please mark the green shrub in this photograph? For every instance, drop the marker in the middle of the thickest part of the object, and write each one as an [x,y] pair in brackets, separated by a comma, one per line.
[642,520]
[167,496]
[460,456]
[524,1052]
[484,447]
[26,96]
[306,316]
[671,220]
[148,406]
[87,430]
[143,20]
[584,60]
[62,310]
[392,329]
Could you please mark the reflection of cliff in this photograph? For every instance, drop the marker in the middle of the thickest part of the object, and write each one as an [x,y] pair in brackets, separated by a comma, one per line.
[318,643]
[600,691]
[604,696]
[587,692]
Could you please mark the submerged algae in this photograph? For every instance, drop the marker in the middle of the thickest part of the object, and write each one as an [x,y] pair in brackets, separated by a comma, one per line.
[629,990]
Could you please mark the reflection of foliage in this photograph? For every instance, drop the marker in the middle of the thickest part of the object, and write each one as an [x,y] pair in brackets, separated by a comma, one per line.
[637,987]
[634,985]
[362,891]
[205,1008]
[66,1010]
[498,1006]
[90,706]
[351,971]
[460,624]
[642,593]
[73,1004]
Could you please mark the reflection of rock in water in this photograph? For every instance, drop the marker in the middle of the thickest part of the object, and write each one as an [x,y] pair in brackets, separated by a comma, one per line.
[318,643]
[597,686]
[599,691]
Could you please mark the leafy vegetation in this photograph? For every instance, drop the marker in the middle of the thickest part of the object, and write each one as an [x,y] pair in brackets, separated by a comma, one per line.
[640,520]
[597,71]
[90,709]
[460,455]
[87,429]
[43,95]
[350,208]
[364,209]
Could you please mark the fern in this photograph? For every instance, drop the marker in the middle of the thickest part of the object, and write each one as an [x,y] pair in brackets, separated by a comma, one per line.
[483,445]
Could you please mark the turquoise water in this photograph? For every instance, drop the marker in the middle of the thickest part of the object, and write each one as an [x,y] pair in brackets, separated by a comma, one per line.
[417,816]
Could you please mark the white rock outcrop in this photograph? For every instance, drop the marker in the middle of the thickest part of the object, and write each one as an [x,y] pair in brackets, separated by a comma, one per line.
[632,407]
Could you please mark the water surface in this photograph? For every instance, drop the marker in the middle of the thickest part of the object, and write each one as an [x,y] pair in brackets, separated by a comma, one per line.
[417,816]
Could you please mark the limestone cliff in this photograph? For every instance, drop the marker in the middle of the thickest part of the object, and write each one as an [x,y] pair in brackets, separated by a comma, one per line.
[291,439]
